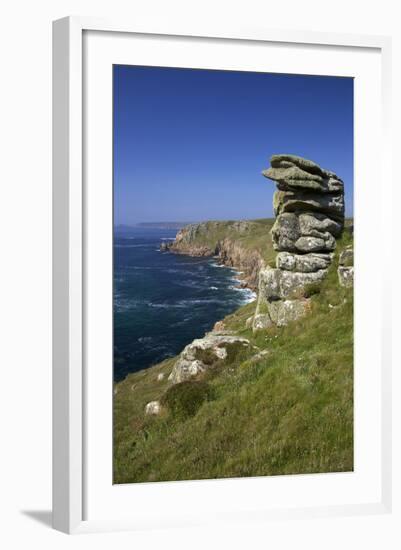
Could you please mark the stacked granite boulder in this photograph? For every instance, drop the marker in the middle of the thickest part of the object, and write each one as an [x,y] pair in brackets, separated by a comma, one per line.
[309,209]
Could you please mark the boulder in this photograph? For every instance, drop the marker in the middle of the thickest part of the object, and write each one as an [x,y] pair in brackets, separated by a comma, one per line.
[316,244]
[160,376]
[315,224]
[285,232]
[261,321]
[249,322]
[300,201]
[153,408]
[219,326]
[347,257]
[277,284]
[293,172]
[278,198]
[185,369]
[292,178]
[346,276]
[282,312]
[278,161]
[305,263]
[202,354]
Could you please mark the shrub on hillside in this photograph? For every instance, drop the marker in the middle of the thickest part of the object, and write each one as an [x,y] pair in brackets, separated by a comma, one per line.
[184,399]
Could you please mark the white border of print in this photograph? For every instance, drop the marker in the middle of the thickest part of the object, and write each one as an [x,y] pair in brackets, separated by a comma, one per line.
[84,498]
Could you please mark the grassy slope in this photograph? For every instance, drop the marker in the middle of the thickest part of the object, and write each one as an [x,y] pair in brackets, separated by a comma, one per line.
[288,412]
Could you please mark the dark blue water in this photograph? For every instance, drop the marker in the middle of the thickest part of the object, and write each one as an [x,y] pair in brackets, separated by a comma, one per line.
[162,301]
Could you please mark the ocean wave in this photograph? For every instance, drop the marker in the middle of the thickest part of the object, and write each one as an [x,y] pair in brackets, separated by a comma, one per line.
[236,288]
[125,304]
[162,305]
[197,301]
[249,296]
[167,238]
[214,264]
[145,339]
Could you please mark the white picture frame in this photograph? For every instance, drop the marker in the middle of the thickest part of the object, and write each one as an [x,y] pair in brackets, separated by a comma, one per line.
[70,258]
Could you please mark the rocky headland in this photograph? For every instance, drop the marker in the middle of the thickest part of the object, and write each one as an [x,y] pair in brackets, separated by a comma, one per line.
[230,242]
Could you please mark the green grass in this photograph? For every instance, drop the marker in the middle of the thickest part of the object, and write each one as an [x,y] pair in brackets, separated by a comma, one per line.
[288,412]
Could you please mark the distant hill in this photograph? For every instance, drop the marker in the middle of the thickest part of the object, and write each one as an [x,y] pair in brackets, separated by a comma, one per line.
[154,225]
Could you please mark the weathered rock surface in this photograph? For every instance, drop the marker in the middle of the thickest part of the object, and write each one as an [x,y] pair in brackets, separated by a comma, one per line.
[202,354]
[301,201]
[304,233]
[305,263]
[285,232]
[347,257]
[346,267]
[346,276]
[283,311]
[291,171]
[309,209]
[219,326]
[232,254]
[261,321]
[153,408]
[313,225]
[315,244]
[279,284]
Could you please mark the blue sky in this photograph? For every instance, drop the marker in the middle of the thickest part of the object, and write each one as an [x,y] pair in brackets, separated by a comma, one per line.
[190,145]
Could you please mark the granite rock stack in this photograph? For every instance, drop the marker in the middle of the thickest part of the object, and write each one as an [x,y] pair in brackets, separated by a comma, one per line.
[309,209]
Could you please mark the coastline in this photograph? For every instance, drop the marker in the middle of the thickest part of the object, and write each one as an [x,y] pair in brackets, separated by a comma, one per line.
[241,245]
[154,324]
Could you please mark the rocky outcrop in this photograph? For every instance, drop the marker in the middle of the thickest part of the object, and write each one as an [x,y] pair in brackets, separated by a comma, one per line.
[203,354]
[309,209]
[346,267]
[209,239]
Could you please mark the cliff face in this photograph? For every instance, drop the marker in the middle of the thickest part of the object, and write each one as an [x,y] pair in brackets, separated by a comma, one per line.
[232,254]
[231,242]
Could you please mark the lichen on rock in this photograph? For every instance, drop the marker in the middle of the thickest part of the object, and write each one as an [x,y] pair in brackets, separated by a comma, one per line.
[203,354]
[346,267]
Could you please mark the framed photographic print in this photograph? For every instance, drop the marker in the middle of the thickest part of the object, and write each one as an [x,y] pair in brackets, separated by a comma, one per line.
[217,356]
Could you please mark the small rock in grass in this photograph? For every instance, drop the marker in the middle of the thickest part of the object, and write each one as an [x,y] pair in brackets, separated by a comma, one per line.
[153,408]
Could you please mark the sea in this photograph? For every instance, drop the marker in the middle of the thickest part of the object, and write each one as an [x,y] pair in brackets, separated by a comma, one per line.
[162,301]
